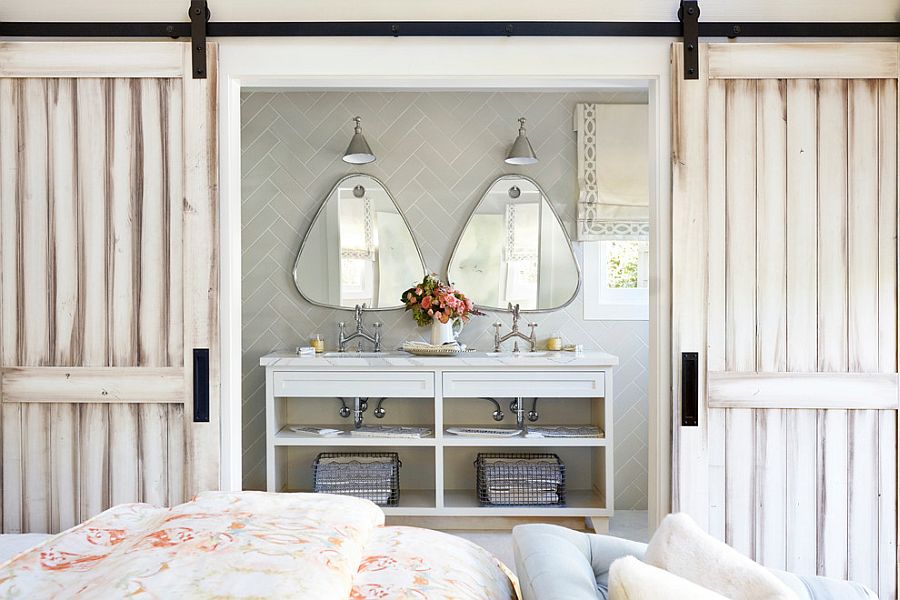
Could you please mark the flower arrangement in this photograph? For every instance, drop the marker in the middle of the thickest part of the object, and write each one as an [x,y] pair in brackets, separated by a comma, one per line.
[432,299]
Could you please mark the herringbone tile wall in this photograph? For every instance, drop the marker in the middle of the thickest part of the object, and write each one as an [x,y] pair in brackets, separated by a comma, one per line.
[437,152]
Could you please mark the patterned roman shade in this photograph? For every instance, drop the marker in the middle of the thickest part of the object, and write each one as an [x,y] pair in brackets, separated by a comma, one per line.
[613,174]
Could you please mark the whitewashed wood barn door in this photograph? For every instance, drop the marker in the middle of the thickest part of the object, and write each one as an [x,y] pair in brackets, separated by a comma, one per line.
[108,279]
[785,285]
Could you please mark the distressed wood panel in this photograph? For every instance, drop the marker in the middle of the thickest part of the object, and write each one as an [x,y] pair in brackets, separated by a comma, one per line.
[802,383]
[97,180]
[93,384]
[803,390]
[803,60]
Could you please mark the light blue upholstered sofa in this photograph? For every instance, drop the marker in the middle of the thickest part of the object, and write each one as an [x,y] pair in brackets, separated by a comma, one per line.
[555,563]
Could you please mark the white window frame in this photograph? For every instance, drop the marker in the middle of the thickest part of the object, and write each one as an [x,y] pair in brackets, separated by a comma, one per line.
[604,304]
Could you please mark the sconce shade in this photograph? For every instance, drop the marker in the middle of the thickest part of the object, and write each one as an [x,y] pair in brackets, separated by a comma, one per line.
[358,152]
[521,152]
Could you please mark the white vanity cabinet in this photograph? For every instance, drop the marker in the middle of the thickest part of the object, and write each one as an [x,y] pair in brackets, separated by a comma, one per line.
[437,477]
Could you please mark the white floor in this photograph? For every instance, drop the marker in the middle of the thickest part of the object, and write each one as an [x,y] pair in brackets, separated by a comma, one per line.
[628,524]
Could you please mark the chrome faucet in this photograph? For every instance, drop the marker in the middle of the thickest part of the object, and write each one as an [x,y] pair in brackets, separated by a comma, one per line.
[515,333]
[362,334]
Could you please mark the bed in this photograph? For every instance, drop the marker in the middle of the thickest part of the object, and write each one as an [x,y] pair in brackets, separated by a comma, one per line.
[254,545]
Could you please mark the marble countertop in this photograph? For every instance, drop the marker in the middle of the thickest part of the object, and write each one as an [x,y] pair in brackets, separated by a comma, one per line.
[399,359]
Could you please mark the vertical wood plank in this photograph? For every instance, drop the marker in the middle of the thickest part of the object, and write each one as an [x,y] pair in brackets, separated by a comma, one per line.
[740,304]
[802,224]
[771,216]
[152,317]
[36,467]
[740,238]
[862,225]
[771,328]
[887,504]
[95,127]
[173,155]
[35,292]
[94,458]
[863,344]
[124,448]
[176,453]
[832,190]
[64,269]
[771,480]
[34,311]
[887,226]
[716,304]
[801,491]
[832,490]
[125,202]
[862,500]
[64,445]
[124,207]
[10,516]
[739,495]
[11,445]
[154,283]
[93,97]
[201,263]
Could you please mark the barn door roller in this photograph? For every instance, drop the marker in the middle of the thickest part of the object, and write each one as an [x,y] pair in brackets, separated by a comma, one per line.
[199,14]
[689,15]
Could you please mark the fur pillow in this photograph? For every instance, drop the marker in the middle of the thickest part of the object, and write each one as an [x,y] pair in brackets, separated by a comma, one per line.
[631,579]
[681,547]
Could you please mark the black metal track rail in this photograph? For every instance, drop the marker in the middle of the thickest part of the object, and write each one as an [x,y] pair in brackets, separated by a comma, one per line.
[450,29]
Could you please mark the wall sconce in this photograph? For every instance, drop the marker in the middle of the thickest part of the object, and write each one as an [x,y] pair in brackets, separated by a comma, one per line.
[521,152]
[358,152]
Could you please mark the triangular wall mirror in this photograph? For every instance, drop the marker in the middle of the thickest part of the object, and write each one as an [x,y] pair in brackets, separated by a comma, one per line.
[358,250]
[515,250]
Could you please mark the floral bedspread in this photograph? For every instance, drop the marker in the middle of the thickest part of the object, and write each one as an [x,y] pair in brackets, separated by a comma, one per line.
[253,545]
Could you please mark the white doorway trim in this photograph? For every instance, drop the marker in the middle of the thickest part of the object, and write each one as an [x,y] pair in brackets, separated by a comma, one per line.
[434,64]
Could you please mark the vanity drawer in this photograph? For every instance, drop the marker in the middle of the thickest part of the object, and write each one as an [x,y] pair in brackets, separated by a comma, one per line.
[393,384]
[527,384]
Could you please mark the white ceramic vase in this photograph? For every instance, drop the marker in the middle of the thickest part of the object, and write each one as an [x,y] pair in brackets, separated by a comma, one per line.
[441,333]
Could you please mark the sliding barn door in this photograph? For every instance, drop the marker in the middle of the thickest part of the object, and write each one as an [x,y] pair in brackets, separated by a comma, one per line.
[785,286]
[108,278]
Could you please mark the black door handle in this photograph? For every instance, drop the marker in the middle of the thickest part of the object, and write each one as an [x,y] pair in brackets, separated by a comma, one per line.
[201,385]
[689,393]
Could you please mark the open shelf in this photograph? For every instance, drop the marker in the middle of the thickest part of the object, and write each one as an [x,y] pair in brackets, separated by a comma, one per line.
[588,503]
[450,439]
[286,437]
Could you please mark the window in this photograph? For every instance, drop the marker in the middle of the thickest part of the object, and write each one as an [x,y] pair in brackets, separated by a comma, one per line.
[616,280]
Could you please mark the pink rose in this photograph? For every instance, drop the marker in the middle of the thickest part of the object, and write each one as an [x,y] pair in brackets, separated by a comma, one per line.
[426,302]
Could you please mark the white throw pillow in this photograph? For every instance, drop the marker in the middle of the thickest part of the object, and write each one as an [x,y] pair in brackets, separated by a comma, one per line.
[631,579]
[681,547]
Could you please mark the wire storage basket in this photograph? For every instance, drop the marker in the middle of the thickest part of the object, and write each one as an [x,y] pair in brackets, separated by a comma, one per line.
[373,476]
[528,479]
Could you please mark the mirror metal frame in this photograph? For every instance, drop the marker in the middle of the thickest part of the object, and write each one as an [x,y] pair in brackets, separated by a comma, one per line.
[315,220]
[561,225]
